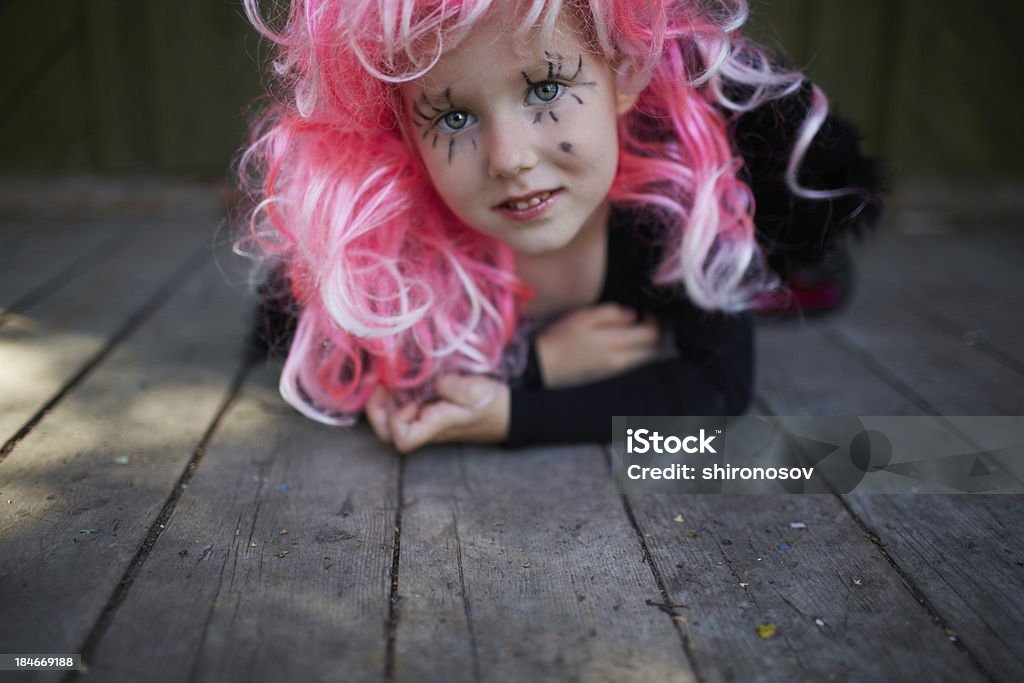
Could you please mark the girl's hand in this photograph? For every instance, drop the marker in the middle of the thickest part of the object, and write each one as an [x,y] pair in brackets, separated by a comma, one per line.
[470,408]
[595,343]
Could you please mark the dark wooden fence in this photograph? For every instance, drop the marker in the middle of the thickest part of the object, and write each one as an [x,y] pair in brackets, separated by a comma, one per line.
[151,85]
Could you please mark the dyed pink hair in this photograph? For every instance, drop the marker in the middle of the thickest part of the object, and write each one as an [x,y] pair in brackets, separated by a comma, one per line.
[393,288]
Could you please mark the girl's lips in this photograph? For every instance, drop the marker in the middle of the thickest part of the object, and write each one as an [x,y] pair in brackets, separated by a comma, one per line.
[529,206]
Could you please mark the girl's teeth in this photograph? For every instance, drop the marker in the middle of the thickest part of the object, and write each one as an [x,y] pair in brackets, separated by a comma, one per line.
[532,201]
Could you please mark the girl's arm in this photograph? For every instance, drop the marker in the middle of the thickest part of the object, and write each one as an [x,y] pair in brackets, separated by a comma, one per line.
[590,344]
[595,343]
[712,375]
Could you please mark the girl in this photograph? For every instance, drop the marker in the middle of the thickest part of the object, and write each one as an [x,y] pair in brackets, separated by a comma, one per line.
[509,220]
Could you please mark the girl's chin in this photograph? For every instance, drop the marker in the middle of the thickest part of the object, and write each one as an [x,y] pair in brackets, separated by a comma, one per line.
[536,247]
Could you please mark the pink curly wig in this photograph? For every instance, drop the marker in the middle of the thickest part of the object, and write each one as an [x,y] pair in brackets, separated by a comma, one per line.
[393,288]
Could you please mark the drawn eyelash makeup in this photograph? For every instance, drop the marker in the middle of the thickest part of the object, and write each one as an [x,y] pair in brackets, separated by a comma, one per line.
[442,116]
[426,118]
[441,121]
[452,117]
[555,85]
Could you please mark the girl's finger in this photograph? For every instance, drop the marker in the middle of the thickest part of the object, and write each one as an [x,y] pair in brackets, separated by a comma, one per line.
[377,413]
[470,392]
[631,337]
[641,356]
[611,313]
[641,335]
[399,422]
[428,426]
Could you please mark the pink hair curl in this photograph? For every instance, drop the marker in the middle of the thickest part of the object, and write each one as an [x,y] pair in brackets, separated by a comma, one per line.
[393,288]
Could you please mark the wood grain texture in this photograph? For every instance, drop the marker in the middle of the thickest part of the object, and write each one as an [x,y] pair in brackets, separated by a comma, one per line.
[46,255]
[81,488]
[839,610]
[957,555]
[965,281]
[512,565]
[276,563]
[950,376]
[965,555]
[800,371]
[45,346]
[906,343]
[523,566]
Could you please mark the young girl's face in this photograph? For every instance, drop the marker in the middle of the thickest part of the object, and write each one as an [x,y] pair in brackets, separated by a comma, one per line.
[519,136]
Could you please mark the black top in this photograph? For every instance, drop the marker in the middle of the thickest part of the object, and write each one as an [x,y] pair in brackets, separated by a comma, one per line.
[711,375]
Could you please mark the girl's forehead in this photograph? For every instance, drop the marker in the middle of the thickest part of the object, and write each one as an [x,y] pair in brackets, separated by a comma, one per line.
[499,45]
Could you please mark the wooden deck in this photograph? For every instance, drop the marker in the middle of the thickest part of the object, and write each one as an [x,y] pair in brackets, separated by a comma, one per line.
[166,515]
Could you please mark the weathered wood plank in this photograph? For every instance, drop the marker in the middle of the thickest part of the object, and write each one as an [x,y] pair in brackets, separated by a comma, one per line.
[524,566]
[839,609]
[966,555]
[47,255]
[951,377]
[12,231]
[954,551]
[45,346]
[84,484]
[215,599]
[799,371]
[888,354]
[967,282]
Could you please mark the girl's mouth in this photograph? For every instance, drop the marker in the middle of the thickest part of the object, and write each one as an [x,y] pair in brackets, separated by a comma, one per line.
[529,206]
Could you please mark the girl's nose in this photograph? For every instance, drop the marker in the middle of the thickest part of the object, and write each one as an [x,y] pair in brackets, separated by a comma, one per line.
[510,150]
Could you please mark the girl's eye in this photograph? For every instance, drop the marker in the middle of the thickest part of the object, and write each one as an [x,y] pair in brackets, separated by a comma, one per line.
[546,91]
[455,120]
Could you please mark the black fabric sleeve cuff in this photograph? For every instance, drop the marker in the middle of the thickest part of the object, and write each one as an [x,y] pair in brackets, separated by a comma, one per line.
[584,414]
[533,377]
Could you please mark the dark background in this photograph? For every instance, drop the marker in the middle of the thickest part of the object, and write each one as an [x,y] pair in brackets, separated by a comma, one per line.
[161,87]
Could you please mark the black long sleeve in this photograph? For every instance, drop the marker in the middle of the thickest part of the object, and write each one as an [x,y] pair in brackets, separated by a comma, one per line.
[677,386]
[712,373]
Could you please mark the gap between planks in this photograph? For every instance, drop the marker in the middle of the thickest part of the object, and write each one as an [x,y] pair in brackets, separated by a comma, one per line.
[143,313]
[109,611]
